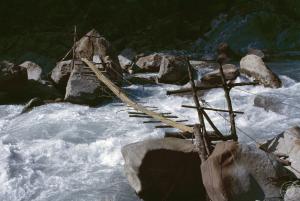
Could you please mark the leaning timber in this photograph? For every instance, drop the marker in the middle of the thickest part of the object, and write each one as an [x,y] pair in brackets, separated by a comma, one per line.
[120,94]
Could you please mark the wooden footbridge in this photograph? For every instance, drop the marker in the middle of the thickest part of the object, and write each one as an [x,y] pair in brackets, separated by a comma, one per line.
[167,120]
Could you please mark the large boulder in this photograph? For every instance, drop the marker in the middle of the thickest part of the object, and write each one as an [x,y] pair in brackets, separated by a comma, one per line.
[150,63]
[173,70]
[231,72]
[83,87]
[164,169]
[34,71]
[96,48]
[61,73]
[253,66]
[240,172]
[287,143]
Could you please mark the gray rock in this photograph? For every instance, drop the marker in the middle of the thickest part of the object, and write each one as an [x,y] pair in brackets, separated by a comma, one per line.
[126,58]
[150,63]
[173,70]
[164,169]
[35,102]
[292,193]
[253,66]
[231,72]
[34,71]
[287,143]
[61,73]
[256,52]
[241,172]
[95,47]
[83,87]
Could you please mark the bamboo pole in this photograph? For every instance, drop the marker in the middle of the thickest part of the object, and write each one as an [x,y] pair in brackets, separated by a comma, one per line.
[229,104]
[74,46]
[120,94]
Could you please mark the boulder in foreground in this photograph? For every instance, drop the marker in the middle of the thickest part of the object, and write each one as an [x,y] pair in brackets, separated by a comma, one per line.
[240,172]
[164,169]
[253,66]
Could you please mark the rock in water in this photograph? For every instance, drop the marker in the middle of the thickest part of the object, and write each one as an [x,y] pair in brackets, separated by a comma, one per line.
[231,72]
[287,143]
[96,48]
[164,169]
[83,86]
[240,172]
[34,71]
[61,73]
[173,70]
[35,102]
[150,63]
[253,66]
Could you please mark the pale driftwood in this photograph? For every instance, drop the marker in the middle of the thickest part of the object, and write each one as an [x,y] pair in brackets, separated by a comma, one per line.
[121,95]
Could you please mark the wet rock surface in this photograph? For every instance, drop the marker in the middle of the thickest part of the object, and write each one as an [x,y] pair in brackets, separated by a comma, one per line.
[231,72]
[150,63]
[173,70]
[253,66]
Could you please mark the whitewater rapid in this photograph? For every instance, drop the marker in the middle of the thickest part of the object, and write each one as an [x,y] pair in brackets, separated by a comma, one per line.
[67,152]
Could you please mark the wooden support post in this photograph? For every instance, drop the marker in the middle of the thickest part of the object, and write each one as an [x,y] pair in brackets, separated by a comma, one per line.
[74,46]
[229,104]
[121,95]
[200,145]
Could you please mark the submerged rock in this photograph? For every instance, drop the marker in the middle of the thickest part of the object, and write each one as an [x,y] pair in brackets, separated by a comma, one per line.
[253,66]
[287,143]
[150,63]
[173,70]
[231,72]
[34,71]
[61,73]
[240,172]
[164,169]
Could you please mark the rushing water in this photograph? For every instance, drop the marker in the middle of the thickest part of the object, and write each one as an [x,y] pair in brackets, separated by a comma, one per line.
[67,152]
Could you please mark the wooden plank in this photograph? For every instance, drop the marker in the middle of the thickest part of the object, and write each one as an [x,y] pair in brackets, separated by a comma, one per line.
[212,109]
[121,95]
[199,88]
